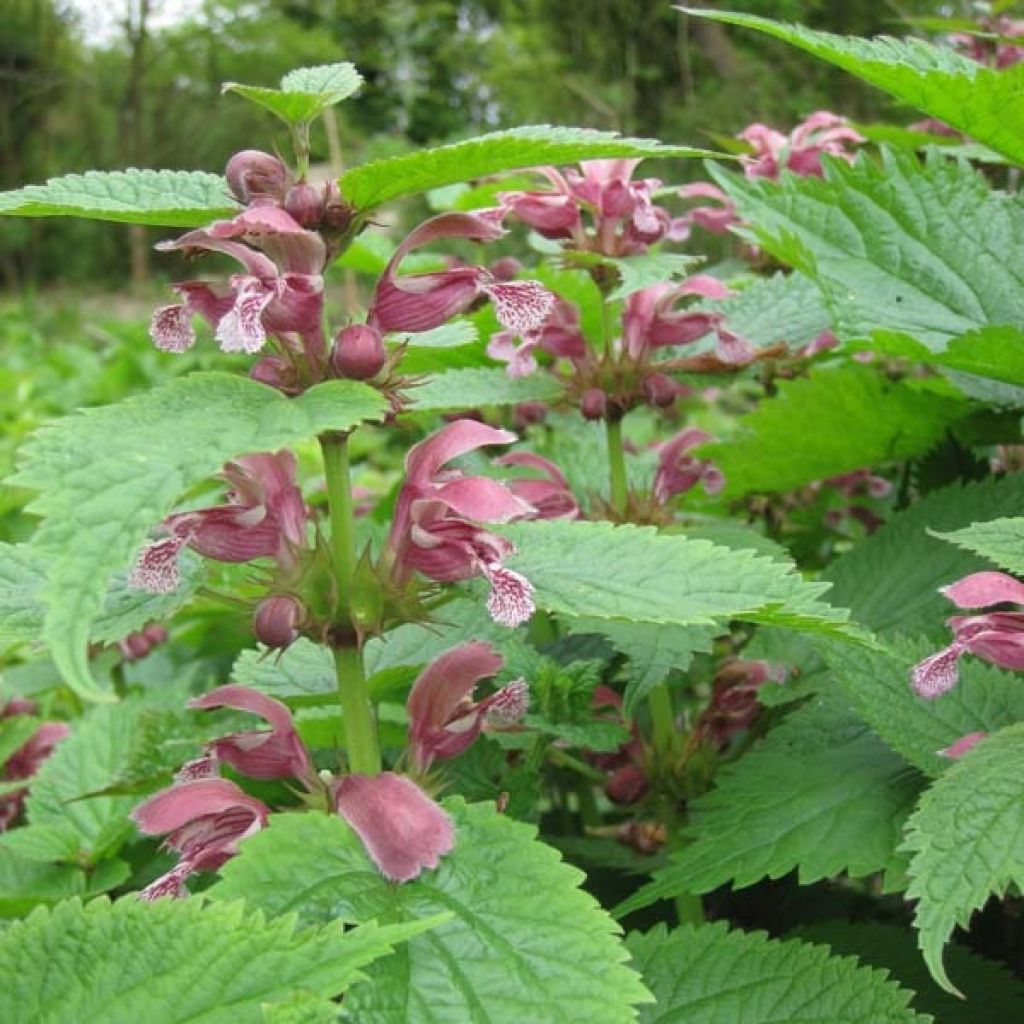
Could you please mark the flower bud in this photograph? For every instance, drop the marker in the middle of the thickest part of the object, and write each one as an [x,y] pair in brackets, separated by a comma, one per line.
[627,785]
[305,204]
[659,390]
[252,173]
[358,353]
[337,213]
[594,404]
[506,269]
[277,620]
[137,645]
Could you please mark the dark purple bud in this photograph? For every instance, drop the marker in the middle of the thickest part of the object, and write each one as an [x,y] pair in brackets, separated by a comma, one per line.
[594,404]
[506,269]
[627,784]
[252,173]
[137,645]
[277,619]
[660,391]
[358,353]
[337,213]
[305,204]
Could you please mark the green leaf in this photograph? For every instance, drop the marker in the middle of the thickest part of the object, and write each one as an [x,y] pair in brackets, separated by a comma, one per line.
[964,841]
[524,942]
[25,884]
[707,974]
[999,540]
[877,685]
[929,250]
[109,475]
[838,420]
[993,993]
[305,93]
[820,794]
[982,102]
[890,581]
[174,962]
[634,574]
[176,199]
[374,183]
[475,388]
[646,269]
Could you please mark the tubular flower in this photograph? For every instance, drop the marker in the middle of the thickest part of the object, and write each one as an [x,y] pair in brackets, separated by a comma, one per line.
[444,720]
[277,754]
[716,218]
[264,518]
[678,471]
[995,637]
[403,830]
[421,302]
[279,293]
[549,494]
[559,335]
[205,820]
[734,706]
[801,150]
[24,762]
[436,529]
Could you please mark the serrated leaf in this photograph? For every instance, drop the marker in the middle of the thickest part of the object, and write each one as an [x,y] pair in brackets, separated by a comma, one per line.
[930,250]
[25,884]
[635,574]
[821,794]
[993,993]
[305,93]
[524,943]
[109,475]
[176,199]
[964,841]
[707,974]
[173,962]
[890,580]
[979,101]
[476,388]
[877,685]
[377,182]
[838,420]
[999,540]
[646,269]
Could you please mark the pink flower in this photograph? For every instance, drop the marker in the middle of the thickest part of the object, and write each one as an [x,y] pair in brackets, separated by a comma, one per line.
[403,830]
[678,471]
[443,718]
[716,218]
[205,820]
[277,754]
[559,335]
[436,528]
[279,293]
[800,151]
[549,494]
[734,706]
[996,637]
[265,518]
[24,762]
[962,745]
[421,302]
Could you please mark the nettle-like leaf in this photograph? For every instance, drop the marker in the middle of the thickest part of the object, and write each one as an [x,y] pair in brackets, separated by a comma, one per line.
[474,388]
[174,199]
[979,101]
[109,475]
[838,420]
[964,841]
[524,942]
[176,962]
[877,685]
[890,581]
[707,974]
[993,993]
[26,883]
[646,269]
[820,794]
[369,185]
[635,574]
[999,540]
[305,93]
[927,249]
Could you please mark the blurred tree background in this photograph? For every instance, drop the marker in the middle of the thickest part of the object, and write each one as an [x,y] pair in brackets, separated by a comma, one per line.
[146,92]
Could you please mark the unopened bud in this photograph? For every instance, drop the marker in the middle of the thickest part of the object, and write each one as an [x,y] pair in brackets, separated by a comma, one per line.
[594,404]
[627,784]
[277,620]
[337,213]
[275,372]
[506,269]
[660,391]
[253,173]
[137,645]
[305,204]
[358,353]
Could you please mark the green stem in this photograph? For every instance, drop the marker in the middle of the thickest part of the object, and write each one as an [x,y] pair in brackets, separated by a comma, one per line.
[617,465]
[339,499]
[663,725]
[357,712]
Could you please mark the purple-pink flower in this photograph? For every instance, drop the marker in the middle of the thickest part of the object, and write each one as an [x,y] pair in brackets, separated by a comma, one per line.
[678,471]
[996,637]
[265,517]
[968,742]
[717,217]
[24,762]
[800,151]
[559,335]
[549,494]
[437,528]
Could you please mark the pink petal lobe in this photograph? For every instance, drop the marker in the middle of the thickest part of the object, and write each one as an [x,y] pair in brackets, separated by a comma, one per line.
[981,589]
[937,674]
[244,698]
[962,745]
[171,328]
[511,599]
[458,438]
[482,499]
[520,306]
[171,808]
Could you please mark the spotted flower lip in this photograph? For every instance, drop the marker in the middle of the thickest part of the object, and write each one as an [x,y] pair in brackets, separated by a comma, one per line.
[421,302]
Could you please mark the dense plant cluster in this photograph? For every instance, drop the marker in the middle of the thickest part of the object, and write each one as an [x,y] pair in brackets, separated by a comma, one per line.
[481,585]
